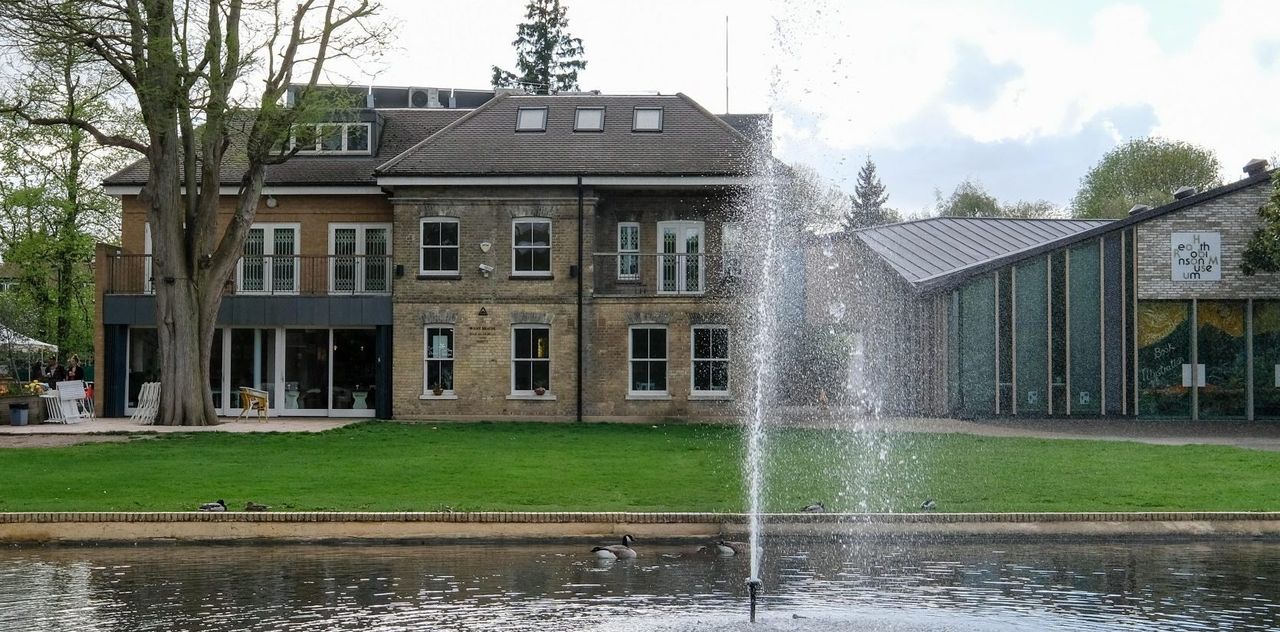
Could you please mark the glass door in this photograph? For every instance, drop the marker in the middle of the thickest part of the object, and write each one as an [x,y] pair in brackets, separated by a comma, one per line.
[354,372]
[680,269]
[252,364]
[1221,350]
[269,263]
[359,261]
[306,372]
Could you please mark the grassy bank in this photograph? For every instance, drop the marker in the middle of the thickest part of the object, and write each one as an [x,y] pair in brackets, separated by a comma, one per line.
[544,467]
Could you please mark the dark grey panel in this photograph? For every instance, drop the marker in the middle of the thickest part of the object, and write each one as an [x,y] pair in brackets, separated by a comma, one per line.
[1113,323]
[128,310]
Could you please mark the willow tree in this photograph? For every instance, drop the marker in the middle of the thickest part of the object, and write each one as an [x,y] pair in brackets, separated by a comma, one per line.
[203,73]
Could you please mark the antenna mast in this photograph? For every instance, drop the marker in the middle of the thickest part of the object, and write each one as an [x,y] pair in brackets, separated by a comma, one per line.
[726,64]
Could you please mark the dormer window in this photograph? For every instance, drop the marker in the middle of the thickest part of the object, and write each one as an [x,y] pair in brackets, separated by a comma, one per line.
[647,120]
[531,120]
[333,138]
[589,120]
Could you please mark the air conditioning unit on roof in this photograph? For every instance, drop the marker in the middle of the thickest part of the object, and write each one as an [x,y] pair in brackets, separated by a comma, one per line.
[424,98]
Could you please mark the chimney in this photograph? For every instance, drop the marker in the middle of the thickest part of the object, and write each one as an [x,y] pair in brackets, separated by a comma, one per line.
[1138,208]
[1255,167]
[1182,192]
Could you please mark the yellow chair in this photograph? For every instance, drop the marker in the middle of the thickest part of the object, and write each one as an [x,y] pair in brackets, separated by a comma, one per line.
[253,399]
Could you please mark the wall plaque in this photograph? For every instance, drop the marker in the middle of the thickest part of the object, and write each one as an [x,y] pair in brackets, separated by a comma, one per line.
[1196,256]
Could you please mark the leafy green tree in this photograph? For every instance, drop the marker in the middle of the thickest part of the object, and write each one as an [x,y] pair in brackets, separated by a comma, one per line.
[1143,171]
[1023,209]
[969,199]
[1262,253]
[868,200]
[209,79]
[547,57]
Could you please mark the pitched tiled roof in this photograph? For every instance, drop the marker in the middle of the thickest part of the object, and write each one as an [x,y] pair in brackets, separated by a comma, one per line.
[930,249]
[484,143]
[401,129]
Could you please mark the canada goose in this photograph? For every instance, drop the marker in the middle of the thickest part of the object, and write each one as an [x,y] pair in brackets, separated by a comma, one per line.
[252,506]
[814,508]
[729,549]
[702,550]
[220,505]
[617,551]
[929,505]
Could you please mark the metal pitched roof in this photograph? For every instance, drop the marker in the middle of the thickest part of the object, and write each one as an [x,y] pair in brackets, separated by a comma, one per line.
[485,142]
[925,250]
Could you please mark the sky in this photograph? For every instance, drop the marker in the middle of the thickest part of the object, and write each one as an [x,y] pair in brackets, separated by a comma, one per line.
[1022,96]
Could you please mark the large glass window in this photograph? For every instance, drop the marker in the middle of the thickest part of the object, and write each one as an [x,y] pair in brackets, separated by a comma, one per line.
[1221,350]
[710,360]
[680,269]
[270,260]
[439,246]
[1004,338]
[253,363]
[215,369]
[144,361]
[1164,359]
[354,368]
[332,138]
[648,359]
[359,260]
[530,358]
[977,347]
[1058,333]
[531,247]
[628,251]
[437,353]
[306,369]
[1032,296]
[1266,359]
[1086,331]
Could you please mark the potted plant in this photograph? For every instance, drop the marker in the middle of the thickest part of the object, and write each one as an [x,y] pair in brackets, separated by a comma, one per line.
[539,390]
[437,389]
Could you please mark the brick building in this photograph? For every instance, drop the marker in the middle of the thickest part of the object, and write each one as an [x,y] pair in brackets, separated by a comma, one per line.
[470,255]
[1147,316]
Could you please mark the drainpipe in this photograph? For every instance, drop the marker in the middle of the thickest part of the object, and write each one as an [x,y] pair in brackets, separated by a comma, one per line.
[581,271]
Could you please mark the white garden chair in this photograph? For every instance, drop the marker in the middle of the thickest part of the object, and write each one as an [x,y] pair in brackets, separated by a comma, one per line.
[148,404]
[52,409]
[75,404]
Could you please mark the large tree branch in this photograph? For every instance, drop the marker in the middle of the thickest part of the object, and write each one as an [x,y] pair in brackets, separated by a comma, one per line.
[113,140]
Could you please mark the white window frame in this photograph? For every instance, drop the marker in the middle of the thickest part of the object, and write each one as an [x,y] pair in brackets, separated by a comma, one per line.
[293,140]
[514,359]
[361,264]
[632,359]
[577,119]
[427,392]
[422,246]
[625,253]
[548,247]
[635,119]
[682,258]
[694,360]
[268,278]
[148,286]
[520,112]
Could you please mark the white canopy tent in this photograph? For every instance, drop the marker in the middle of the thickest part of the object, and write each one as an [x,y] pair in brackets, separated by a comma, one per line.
[14,341]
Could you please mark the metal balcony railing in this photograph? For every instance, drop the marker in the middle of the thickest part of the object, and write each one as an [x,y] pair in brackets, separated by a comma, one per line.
[267,275]
[656,274]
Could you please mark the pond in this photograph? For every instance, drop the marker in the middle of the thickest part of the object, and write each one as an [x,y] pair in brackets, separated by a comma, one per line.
[809,585]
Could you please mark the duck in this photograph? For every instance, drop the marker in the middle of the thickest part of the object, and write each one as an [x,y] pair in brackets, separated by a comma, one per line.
[814,508]
[252,506]
[219,505]
[729,549]
[617,551]
[928,505]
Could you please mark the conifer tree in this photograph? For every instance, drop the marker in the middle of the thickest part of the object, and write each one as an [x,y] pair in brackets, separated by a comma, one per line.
[547,57]
[868,200]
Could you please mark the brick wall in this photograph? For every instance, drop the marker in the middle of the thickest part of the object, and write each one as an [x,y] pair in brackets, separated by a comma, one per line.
[1234,217]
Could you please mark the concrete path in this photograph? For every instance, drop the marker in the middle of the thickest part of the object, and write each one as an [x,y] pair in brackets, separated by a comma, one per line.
[229,424]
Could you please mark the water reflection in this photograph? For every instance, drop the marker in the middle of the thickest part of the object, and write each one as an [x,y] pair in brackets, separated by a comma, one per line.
[808,585]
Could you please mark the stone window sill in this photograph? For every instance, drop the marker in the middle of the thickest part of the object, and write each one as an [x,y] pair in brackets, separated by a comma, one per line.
[532,277]
[709,397]
[445,395]
[532,397]
[439,277]
[649,396]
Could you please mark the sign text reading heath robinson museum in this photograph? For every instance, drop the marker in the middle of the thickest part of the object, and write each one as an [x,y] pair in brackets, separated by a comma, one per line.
[1196,256]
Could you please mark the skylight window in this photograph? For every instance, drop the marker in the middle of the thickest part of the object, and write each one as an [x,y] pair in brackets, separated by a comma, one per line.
[647,120]
[531,120]
[589,120]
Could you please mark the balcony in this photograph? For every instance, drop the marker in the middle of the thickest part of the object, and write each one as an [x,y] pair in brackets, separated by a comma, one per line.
[271,275]
[634,274]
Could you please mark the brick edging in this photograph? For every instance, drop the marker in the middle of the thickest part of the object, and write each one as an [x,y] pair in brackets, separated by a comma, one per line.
[534,517]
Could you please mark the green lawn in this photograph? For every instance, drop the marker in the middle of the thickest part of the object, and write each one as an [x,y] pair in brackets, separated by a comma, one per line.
[541,467]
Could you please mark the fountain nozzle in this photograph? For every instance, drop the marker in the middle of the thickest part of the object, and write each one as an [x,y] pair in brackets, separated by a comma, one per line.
[753,588]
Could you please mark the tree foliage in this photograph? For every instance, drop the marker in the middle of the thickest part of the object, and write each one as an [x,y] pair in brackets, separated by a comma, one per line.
[868,200]
[1143,171]
[970,199]
[208,78]
[547,57]
[1262,253]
